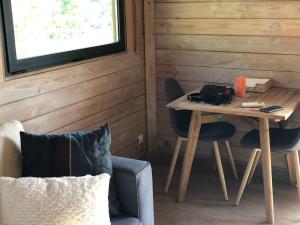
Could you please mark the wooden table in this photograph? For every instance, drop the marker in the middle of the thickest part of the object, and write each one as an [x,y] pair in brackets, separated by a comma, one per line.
[287,98]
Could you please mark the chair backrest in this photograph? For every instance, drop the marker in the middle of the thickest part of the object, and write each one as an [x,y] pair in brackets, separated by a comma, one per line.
[179,119]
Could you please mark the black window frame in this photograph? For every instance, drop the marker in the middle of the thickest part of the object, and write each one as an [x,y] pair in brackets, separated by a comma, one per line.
[14,66]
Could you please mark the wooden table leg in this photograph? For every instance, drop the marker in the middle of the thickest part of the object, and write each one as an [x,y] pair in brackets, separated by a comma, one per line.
[267,168]
[193,135]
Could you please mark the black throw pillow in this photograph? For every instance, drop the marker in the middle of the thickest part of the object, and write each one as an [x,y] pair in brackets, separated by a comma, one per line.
[73,154]
[45,155]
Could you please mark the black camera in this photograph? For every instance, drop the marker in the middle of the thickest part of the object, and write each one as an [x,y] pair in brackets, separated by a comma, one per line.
[213,94]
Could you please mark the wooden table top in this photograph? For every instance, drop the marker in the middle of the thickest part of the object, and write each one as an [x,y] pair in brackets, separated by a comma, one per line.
[287,98]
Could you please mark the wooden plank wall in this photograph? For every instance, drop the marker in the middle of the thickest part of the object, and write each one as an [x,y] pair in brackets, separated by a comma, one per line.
[203,41]
[150,67]
[81,96]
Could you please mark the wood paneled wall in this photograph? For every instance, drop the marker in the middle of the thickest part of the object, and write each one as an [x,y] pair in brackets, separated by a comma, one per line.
[81,96]
[204,41]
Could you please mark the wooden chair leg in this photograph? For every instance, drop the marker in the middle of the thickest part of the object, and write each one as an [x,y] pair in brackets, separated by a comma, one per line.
[220,169]
[286,124]
[255,163]
[297,170]
[246,176]
[231,159]
[290,165]
[173,163]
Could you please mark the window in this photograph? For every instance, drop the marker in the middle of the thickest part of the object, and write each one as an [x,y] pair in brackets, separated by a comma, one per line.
[43,33]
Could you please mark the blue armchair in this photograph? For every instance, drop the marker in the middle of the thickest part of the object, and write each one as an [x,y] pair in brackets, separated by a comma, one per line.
[133,184]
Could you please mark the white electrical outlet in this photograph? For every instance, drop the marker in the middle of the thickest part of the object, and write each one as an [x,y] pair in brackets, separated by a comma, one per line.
[141,139]
[141,143]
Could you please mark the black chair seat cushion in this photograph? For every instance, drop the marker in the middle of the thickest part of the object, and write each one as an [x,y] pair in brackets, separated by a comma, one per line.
[125,221]
[211,131]
[280,139]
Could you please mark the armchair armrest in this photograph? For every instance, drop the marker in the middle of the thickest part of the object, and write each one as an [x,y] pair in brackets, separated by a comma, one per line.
[133,180]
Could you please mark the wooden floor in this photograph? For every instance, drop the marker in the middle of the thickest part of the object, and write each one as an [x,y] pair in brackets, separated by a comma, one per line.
[205,205]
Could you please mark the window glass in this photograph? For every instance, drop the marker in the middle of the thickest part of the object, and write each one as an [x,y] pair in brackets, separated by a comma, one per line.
[45,27]
[38,28]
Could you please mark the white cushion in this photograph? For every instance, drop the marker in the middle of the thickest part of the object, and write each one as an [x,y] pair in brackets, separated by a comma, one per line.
[10,149]
[55,201]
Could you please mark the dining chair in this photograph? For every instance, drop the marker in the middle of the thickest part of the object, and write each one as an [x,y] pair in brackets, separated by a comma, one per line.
[285,141]
[212,132]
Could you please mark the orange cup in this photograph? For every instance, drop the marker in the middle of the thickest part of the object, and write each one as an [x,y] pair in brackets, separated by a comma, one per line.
[240,86]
